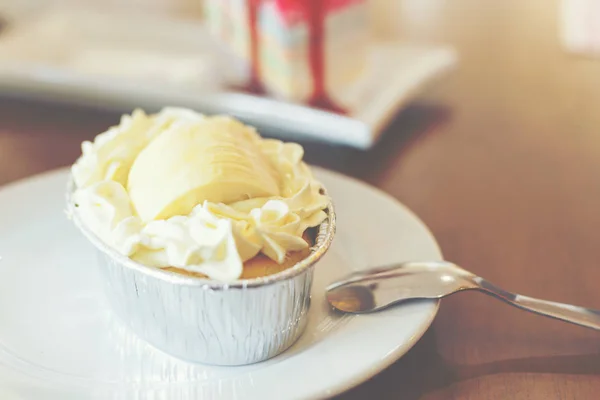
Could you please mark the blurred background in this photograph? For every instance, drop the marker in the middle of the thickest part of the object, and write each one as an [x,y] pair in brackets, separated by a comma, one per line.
[119,54]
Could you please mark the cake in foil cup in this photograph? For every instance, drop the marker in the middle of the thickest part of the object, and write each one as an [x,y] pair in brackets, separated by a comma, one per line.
[207,321]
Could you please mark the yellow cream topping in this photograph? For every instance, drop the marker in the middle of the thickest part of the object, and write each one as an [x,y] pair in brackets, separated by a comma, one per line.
[199,193]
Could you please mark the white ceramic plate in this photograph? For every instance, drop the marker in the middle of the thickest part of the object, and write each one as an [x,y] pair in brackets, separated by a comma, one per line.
[59,340]
[149,61]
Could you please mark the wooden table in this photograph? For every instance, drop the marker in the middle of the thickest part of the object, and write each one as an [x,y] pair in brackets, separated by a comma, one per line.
[502,161]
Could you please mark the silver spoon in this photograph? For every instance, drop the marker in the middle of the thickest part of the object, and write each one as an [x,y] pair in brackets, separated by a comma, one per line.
[379,288]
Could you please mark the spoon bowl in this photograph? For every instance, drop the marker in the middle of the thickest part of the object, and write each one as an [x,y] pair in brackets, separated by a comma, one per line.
[379,288]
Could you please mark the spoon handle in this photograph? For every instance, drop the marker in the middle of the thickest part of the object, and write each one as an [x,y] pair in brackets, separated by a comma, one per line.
[576,315]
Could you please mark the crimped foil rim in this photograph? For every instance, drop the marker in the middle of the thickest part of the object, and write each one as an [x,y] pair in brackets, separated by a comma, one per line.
[325,235]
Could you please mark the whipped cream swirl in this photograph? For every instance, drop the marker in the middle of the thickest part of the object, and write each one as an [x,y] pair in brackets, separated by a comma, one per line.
[214,238]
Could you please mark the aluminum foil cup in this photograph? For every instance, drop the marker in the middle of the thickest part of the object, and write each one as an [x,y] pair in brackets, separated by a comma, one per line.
[207,321]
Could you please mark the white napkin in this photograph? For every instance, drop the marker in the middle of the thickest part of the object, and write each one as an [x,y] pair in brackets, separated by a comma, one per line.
[580,26]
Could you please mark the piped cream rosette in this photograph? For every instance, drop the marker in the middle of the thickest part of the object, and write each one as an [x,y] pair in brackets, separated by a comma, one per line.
[204,194]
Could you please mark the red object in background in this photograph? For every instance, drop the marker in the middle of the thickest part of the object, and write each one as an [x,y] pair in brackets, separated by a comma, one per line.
[315,12]
[296,10]
[316,27]
[255,84]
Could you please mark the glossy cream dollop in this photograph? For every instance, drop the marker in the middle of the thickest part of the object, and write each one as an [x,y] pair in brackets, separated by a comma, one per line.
[204,194]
